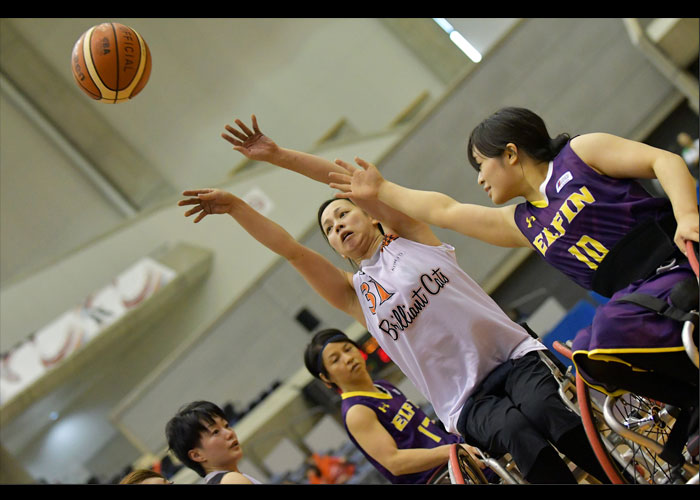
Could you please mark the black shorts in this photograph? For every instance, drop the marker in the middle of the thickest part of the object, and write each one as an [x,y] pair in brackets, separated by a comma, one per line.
[517,409]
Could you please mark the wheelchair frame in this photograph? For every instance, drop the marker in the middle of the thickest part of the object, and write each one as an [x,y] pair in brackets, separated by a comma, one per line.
[460,468]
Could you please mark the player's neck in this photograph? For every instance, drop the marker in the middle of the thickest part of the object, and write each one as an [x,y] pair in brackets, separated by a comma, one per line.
[231,466]
[374,244]
[534,174]
[364,385]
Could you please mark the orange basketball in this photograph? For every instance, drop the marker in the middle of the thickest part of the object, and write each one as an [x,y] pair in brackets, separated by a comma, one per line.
[111,62]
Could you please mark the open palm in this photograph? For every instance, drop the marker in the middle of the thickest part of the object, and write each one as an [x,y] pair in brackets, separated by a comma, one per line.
[208,202]
[252,144]
[359,183]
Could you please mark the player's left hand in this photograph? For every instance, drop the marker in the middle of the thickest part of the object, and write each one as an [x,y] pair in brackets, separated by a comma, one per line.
[475,454]
[361,183]
[687,230]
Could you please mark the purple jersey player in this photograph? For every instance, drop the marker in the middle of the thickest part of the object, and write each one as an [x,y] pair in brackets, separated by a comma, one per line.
[405,422]
[587,215]
[395,435]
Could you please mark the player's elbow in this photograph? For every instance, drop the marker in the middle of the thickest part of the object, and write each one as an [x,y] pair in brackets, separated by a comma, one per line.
[669,162]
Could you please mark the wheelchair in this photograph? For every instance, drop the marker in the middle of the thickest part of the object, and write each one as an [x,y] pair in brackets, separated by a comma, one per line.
[629,433]
[461,468]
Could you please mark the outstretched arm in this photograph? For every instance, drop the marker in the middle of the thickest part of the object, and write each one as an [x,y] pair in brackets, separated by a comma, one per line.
[257,146]
[495,226]
[622,158]
[330,282]
[369,433]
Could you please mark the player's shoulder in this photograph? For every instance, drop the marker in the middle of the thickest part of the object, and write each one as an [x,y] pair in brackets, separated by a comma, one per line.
[234,478]
[585,145]
[359,414]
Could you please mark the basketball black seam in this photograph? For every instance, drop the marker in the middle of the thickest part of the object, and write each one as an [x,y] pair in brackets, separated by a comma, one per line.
[82,50]
[116,54]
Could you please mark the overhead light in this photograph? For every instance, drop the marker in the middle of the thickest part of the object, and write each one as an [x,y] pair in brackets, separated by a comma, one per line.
[442,22]
[465,46]
[459,40]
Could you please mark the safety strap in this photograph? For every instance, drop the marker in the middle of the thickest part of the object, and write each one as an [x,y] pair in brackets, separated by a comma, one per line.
[637,255]
[659,306]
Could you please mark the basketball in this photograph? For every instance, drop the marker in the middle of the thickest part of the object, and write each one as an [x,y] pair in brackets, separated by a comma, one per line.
[111,63]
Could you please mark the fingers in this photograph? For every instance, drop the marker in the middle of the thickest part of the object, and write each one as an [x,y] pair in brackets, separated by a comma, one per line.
[196,192]
[364,164]
[243,128]
[232,140]
[245,134]
[198,209]
[338,177]
[255,124]
[194,210]
[191,201]
[209,195]
[238,133]
[347,195]
[472,450]
[348,168]
[682,238]
[346,188]
[199,195]
[475,455]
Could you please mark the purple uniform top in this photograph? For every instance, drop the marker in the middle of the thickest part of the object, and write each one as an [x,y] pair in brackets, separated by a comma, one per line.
[406,423]
[583,215]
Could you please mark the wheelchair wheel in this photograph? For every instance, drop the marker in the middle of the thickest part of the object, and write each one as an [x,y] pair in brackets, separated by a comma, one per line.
[630,451]
[623,460]
[441,476]
[461,468]
[596,430]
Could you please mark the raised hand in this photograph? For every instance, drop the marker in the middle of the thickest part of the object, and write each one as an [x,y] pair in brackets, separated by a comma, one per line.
[208,202]
[360,183]
[251,144]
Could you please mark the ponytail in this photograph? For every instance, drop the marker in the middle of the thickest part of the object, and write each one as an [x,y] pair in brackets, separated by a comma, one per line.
[557,144]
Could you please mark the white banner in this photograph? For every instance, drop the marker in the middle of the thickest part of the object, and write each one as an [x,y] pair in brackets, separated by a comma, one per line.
[30,360]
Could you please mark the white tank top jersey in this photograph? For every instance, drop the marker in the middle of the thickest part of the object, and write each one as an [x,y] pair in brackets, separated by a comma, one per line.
[435,322]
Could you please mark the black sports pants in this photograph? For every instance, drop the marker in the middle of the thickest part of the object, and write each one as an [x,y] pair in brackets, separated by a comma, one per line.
[517,409]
